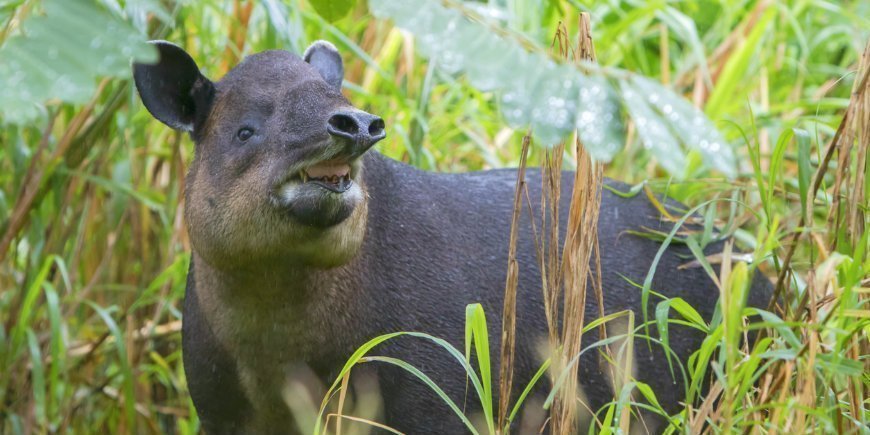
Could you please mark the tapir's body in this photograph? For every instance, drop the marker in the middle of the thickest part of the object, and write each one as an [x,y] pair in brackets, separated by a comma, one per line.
[434,243]
[291,273]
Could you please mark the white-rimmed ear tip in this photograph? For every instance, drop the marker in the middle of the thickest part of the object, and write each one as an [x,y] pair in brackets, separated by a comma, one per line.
[318,45]
[161,41]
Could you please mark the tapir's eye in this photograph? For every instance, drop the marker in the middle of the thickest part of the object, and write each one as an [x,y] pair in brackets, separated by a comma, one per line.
[244,133]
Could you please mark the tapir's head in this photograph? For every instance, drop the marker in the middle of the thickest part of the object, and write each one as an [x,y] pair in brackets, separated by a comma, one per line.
[277,170]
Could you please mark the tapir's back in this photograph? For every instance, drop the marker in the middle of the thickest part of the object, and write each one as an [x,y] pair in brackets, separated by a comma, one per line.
[437,242]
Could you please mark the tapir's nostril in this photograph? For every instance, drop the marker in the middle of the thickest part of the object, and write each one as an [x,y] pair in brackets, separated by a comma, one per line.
[343,124]
[376,128]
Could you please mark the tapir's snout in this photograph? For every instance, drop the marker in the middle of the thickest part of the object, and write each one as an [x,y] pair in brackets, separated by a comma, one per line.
[360,130]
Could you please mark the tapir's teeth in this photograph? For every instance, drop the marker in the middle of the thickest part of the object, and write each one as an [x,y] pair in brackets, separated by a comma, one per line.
[328,170]
[325,173]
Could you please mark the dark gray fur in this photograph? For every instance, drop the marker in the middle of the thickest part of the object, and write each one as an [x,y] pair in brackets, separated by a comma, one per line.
[433,244]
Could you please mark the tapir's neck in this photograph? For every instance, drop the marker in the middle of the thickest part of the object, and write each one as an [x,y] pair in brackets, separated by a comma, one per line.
[280,282]
[278,321]
[290,308]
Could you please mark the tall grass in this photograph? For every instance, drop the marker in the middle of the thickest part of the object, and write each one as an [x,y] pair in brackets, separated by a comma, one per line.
[94,248]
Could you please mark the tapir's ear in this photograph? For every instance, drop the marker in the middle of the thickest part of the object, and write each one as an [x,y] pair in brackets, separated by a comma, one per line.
[173,89]
[324,57]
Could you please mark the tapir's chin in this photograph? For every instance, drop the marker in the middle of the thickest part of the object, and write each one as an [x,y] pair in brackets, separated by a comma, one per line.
[319,204]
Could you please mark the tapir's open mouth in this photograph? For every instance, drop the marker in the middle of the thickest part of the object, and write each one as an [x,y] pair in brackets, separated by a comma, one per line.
[334,176]
[320,193]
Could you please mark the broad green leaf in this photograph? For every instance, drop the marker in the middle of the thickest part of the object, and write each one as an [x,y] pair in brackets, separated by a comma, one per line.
[332,10]
[693,129]
[599,121]
[61,54]
[558,99]
[653,128]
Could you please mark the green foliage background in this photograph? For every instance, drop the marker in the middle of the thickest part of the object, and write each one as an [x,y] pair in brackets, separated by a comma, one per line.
[94,249]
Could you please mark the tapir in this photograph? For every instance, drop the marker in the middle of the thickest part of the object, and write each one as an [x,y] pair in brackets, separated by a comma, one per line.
[306,243]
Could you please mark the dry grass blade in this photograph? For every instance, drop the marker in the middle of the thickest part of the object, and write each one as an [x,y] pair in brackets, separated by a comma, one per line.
[551,169]
[550,270]
[508,331]
[860,109]
[580,246]
[342,396]
[699,418]
[371,423]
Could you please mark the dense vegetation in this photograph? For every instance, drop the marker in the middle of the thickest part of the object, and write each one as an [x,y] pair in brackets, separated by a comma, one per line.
[93,250]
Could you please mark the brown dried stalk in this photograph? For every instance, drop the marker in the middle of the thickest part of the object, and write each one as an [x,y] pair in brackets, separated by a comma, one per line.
[509,318]
[580,246]
[551,181]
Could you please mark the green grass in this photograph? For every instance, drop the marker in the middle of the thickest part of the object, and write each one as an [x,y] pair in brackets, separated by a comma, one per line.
[95,249]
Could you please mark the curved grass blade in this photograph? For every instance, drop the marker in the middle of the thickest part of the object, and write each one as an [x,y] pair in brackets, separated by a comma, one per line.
[365,348]
[526,392]
[476,332]
[430,383]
